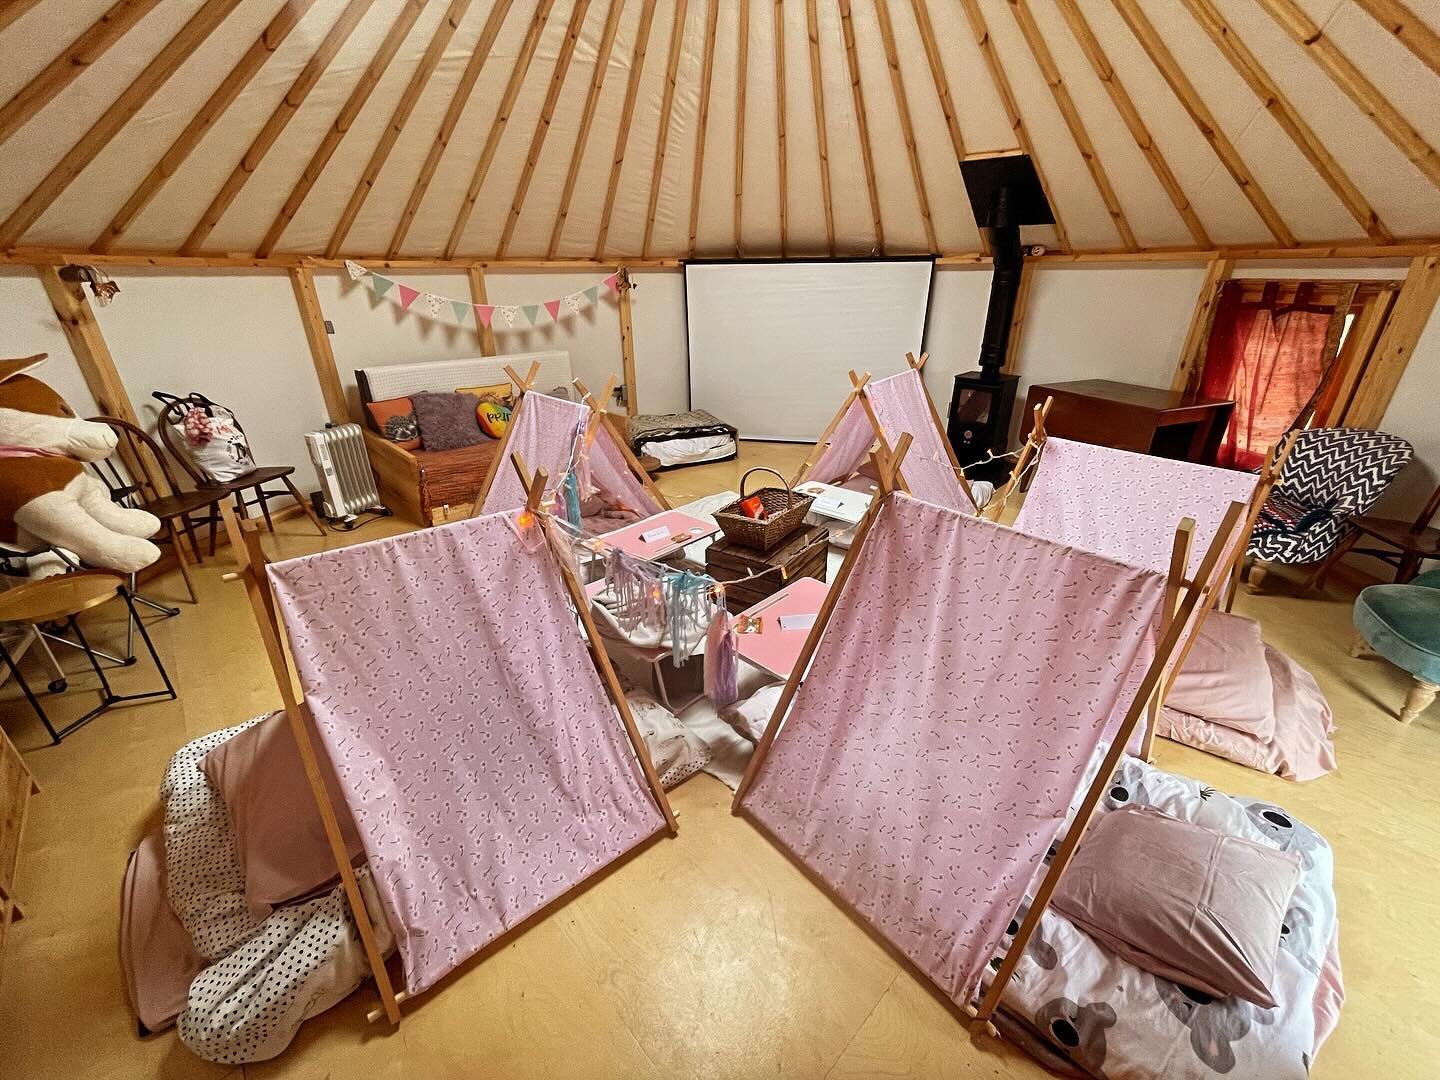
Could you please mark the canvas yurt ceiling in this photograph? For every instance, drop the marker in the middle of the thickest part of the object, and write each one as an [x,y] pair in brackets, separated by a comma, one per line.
[625,129]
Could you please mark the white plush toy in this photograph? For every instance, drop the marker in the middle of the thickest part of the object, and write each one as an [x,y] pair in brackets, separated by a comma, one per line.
[46,496]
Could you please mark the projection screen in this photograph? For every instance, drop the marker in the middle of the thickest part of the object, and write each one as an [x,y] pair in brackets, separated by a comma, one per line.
[771,343]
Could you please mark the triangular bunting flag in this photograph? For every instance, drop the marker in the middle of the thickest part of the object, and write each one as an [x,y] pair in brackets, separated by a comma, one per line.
[436,304]
[509,314]
[407,296]
[462,310]
[381,285]
[355,270]
[592,293]
[553,306]
[574,302]
[531,310]
[613,283]
[484,312]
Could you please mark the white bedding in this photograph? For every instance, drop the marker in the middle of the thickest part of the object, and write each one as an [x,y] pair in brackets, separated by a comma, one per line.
[1113,1020]
[670,452]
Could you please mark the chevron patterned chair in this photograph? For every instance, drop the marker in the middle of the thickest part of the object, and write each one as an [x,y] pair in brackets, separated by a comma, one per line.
[1332,475]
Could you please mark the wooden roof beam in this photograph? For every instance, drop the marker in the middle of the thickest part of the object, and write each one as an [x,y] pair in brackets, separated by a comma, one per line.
[587,118]
[458,100]
[497,128]
[85,50]
[858,94]
[121,111]
[981,32]
[398,119]
[662,137]
[262,49]
[542,128]
[1411,32]
[707,76]
[1360,89]
[627,113]
[907,129]
[1123,103]
[1030,29]
[741,77]
[349,112]
[782,177]
[1305,139]
[812,27]
[284,112]
[1170,69]
[10,10]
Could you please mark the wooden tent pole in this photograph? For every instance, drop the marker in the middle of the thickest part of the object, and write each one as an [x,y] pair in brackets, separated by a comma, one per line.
[251,560]
[918,366]
[502,452]
[1174,582]
[886,451]
[629,455]
[819,448]
[1101,783]
[1033,442]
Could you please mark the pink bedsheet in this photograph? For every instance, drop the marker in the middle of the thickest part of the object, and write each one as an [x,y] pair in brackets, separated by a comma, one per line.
[933,749]
[543,433]
[1127,505]
[902,405]
[486,769]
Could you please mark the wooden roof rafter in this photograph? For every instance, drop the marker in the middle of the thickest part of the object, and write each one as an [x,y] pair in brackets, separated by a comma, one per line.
[742,59]
[782,161]
[542,127]
[10,10]
[224,95]
[1407,28]
[1275,102]
[1030,30]
[295,96]
[627,113]
[458,100]
[662,136]
[340,126]
[817,91]
[1125,106]
[523,60]
[907,128]
[120,112]
[707,78]
[867,152]
[399,116]
[1164,60]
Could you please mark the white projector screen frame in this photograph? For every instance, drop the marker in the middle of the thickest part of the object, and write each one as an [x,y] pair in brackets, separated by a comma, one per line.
[771,343]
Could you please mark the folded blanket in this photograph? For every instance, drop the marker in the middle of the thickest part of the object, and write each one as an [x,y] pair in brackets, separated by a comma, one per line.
[648,427]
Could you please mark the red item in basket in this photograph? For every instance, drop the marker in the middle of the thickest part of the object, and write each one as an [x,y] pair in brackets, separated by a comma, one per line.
[752,507]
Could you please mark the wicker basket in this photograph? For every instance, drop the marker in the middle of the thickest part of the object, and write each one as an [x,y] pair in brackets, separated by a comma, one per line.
[784,513]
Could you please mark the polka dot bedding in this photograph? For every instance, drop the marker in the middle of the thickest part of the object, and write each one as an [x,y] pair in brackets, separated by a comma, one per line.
[1114,1020]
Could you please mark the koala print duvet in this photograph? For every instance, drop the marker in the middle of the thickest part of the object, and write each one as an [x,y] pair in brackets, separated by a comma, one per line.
[1115,1021]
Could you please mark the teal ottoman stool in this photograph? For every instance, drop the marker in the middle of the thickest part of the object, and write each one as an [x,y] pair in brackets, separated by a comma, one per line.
[1402,624]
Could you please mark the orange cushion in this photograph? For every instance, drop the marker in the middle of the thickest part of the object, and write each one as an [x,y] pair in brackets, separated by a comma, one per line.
[494,418]
[394,418]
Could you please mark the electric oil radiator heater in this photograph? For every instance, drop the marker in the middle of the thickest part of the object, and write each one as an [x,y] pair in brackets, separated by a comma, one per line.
[347,483]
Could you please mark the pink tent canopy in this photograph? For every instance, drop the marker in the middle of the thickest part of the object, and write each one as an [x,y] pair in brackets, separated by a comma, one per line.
[933,749]
[1127,505]
[901,405]
[545,431]
[486,768]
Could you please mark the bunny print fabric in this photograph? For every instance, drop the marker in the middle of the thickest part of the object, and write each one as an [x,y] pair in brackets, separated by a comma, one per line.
[486,768]
[900,405]
[965,679]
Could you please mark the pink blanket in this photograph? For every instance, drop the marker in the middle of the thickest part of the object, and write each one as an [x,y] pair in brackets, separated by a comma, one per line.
[931,753]
[1127,505]
[543,433]
[902,405]
[486,769]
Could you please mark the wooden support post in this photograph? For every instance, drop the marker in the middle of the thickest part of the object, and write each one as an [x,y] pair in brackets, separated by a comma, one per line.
[97,365]
[302,279]
[1179,567]
[1408,319]
[478,295]
[627,343]
[1191,360]
[1017,316]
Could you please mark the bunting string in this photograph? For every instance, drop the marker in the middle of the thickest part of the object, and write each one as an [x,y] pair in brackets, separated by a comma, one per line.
[490,316]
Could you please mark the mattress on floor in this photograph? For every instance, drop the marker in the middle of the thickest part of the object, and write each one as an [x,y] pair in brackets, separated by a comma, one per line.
[677,439]
[1113,1020]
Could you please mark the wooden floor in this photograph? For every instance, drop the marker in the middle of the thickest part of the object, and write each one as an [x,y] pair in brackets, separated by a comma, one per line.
[707,955]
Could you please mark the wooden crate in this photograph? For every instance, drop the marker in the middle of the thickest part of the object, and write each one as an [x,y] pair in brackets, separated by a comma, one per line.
[802,555]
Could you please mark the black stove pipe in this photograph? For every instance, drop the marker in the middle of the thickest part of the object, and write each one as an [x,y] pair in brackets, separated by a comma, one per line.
[1008,258]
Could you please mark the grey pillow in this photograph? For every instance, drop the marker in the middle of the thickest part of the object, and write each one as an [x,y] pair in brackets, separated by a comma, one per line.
[447,421]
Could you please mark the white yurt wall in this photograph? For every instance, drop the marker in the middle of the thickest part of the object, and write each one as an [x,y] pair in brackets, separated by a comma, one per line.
[28,325]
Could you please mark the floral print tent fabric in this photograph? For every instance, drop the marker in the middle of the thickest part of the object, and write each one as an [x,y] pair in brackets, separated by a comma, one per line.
[931,753]
[486,768]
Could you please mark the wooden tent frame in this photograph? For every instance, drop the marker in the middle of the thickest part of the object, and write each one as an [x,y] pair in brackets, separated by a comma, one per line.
[858,383]
[599,418]
[1171,643]
[245,543]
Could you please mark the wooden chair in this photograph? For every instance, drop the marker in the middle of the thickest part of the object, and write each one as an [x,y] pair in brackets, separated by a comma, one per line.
[140,493]
[254,481]
[1410,542]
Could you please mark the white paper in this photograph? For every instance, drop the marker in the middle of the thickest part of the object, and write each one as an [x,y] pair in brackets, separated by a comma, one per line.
[797,622]
[649,536]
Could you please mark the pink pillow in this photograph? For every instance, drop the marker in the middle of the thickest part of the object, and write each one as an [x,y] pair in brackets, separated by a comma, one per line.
[278,831]
[1185,902]
[1225,678]
[157,957]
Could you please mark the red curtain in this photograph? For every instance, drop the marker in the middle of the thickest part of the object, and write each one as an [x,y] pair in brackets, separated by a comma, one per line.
[1269,358]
